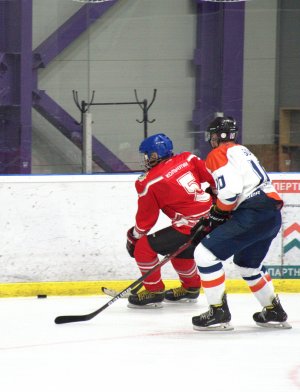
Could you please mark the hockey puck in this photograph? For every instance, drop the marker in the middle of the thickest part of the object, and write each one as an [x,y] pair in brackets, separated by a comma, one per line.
[42,296]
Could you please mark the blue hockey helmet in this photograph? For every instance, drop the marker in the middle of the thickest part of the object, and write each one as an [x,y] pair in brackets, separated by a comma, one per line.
[156,148]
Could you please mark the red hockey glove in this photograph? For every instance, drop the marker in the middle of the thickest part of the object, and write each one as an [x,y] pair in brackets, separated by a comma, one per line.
[131,242]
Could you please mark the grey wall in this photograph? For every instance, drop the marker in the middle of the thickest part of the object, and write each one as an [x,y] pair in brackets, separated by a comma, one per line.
[289,66]
[146,44]
[137,44]
[289,52]
[260,72]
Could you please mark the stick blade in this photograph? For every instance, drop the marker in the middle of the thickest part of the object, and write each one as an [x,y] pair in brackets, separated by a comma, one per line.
[69,319]
[112,293]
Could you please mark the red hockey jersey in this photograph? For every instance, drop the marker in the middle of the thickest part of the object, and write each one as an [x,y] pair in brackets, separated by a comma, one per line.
[174,187]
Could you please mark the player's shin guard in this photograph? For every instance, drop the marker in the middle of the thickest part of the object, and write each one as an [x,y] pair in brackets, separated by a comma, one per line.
[188,272]
[146,259]
[260,283]
[212,274]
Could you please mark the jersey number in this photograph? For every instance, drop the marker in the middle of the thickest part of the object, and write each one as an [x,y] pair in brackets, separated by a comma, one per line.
[260,172]
[191,186]
[189,183]
[221,182]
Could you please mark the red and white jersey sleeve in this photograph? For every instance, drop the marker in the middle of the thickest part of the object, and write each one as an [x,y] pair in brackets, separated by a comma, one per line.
[238,174]
[173,187]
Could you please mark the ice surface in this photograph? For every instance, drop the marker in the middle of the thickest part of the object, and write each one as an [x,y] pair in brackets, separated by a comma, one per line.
[149,350]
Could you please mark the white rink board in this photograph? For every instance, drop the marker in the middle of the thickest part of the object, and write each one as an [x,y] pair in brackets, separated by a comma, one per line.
[73,228]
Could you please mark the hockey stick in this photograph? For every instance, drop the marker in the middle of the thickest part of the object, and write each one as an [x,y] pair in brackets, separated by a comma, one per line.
[89,316]
[113,293]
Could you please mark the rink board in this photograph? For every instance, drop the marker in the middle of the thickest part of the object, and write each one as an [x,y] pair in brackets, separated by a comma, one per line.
[66,234]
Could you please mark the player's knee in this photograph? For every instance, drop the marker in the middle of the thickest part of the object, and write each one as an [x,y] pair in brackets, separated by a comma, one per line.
[203,256]
[247,272]
[143,250]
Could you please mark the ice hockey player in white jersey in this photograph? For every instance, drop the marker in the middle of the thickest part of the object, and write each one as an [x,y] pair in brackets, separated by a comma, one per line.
[243,223]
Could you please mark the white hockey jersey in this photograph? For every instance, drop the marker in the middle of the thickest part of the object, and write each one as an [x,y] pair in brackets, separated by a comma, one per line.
[238,175]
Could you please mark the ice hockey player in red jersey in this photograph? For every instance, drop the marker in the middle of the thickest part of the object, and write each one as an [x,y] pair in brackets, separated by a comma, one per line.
[171,184]
[242,223]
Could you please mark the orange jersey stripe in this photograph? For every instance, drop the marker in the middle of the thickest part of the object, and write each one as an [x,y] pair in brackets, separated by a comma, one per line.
[225,207]
[213,283]
[274,195]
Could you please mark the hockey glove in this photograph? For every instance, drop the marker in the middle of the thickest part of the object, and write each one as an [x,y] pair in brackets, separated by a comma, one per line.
[131,242]
[200,230]
[217,217]
[205,225]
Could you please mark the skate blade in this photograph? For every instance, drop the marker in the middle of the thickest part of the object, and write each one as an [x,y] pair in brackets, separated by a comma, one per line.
[182,301]
[155,305]
[279,325]
[218,327]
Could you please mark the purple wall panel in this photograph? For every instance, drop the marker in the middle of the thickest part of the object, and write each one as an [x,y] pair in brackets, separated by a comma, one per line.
[15,86]
[208,60]
[233,62]
[26,86]
[219,65]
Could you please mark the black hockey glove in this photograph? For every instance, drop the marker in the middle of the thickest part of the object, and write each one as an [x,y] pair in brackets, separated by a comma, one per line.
[131,242]
[217,217]
[205,225]
[200,230]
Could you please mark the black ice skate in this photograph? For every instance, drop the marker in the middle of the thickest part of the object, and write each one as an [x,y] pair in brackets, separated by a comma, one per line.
[272,316]
[146,299]
[180,294]
[215,319]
